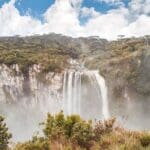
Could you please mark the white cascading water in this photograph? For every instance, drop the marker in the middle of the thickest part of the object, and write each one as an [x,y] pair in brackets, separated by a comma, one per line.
[102,85]
[72,94]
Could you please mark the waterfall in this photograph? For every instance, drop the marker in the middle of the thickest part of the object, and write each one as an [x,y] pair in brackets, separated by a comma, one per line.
[72,94]
[102,85]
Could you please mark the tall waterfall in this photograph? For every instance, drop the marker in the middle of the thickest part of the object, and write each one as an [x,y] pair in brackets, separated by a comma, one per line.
[102,85]
[72,91]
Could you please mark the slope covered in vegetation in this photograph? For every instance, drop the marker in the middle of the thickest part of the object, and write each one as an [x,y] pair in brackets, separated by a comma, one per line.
[124,63]
[50,51]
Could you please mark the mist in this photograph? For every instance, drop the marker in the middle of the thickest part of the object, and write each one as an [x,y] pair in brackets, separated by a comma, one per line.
[88,97]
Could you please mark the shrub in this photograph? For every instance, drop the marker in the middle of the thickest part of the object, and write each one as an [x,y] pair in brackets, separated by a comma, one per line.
[109,125]
[37,143]
[72,128]
[145,140]
[74,133]
[82,134]
[69,124]
[59,125]
[49,125]
[5,136]
[103,128]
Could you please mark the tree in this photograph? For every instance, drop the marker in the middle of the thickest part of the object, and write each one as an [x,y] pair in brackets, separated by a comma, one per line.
[121,36]
[146,39]
[82,134]
[121,39]
[5,136]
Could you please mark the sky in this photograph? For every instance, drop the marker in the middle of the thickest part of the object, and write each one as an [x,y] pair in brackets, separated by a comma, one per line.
[103,18]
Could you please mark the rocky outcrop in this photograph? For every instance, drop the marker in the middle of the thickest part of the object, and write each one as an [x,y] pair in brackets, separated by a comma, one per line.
[38,88]
[143,78]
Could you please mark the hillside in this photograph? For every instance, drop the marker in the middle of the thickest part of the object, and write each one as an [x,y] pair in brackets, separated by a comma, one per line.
[123,62]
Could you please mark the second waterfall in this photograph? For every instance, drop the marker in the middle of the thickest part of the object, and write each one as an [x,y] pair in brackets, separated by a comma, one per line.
[85,93]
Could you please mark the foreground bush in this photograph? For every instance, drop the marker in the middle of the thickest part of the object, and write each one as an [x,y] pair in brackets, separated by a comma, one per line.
[37,143]
[5,136]
[74,133]
[145,140]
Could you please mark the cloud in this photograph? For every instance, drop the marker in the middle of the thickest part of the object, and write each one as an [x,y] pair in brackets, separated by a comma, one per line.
[107,25]
[111,2]
[140,6]
[12,23]
[138,28]
[64,17]
[89,12]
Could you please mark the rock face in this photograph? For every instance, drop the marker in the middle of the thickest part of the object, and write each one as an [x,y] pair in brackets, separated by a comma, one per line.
[144,73]
[25,100]
[132,73]
[35,89]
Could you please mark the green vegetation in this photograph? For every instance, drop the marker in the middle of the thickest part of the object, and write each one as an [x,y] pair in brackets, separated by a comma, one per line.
[145,140]
[50,51]
[74,133]
[5,136]
[25,59]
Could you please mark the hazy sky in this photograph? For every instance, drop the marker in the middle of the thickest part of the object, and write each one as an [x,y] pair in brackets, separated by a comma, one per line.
[104,18]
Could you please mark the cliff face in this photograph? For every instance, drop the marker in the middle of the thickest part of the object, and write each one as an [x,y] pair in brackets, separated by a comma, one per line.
[26,99]
[130,72]
[37,88]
